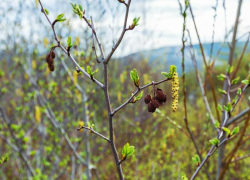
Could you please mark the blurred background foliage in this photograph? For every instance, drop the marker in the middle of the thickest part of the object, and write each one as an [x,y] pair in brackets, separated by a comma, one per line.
[44,108]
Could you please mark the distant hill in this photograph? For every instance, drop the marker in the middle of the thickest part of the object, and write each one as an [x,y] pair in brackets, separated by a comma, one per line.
[171,55]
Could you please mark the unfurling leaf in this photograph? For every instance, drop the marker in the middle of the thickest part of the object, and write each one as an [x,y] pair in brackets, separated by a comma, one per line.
[217,124]
[245,82]
[235,131]
[69,41]
[46,11]
[172,69]
[90,72]
[134,76]
[221,77]
[127,150]
[59,17]
[234,81]
[138,97]
[196,159]
[239,91]
[226,130]
[135,21]
[168,75]
[171,72]
[230,69]
[222,91]
[219,107]
[215,142]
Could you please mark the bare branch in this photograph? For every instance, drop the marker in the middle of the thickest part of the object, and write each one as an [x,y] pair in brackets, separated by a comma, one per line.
[122,34]
[93,46]
[66,52]
[93,131]
[20,151]
[136,92]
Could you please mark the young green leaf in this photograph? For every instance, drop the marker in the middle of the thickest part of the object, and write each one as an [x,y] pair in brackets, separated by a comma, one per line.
[229,106]
[239,91]
[134,76]
[222,91]
[235,130]
[46,11]
[226,130]
[59,17]
[135,21]
[217,124]
[168,75]
[69,41]
[196,159]
[230,69]
[219,107]
[172,69]
[234,81]
[245,82]
[138,97]
[215,142]
[89,70]
[221,77]
[127,150]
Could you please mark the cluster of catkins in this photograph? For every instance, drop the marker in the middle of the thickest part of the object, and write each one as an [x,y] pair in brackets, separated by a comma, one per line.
[155,102]
[50,60]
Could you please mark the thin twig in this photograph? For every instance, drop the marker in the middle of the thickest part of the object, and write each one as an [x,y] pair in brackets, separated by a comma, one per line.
[200,83]
[20,151]
[136,92]
[122,34]
[93,131]
[210,153]
[212,44]
[93,46]
[236,147]
[207,67]
[67,52]
[219,136]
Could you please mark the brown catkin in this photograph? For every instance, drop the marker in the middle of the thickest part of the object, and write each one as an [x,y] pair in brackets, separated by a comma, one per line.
[53,54]
[151,108]
[155,103]
[147,98]
[50,60]
[160,96]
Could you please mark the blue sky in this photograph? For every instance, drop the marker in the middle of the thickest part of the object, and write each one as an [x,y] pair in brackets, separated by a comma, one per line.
[160,23]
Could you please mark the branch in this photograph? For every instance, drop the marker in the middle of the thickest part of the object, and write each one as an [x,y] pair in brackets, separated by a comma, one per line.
[211,151]
[207,67]
[20,151]
[201,84]
[136,92]
[122,34]
[238,116]
[67,52]
[51,116]
[98,134]
[219,136]
[241,158]
[93,46]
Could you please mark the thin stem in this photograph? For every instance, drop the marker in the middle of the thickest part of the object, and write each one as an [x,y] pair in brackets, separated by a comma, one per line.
[93,46]
[122,34]
[93,131]
[210,153]
[136,92]
[219,136]
[207,67]
[200,84]
[65,51]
